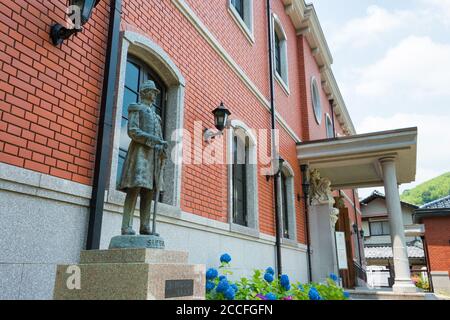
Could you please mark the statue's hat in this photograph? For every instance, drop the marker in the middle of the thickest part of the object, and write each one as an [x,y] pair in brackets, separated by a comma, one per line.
[149,85]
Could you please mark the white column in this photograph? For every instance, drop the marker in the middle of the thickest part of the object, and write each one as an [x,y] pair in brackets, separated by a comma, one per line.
[403,282]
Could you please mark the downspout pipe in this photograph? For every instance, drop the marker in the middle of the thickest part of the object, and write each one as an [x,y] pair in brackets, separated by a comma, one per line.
[105,129]
[304,170]
[275,162]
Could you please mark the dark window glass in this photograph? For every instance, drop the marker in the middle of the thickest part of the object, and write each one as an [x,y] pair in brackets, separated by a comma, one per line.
[240,162]
[277,54]
[239,6]
[284,194]
[137,72]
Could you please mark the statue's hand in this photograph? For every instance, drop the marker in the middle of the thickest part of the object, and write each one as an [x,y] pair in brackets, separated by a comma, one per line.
[164,144]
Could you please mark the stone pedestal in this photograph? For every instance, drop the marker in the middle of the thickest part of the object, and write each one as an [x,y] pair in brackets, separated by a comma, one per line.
[322,242]
[131,274]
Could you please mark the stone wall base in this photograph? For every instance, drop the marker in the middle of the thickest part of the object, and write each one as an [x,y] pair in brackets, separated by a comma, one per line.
[131,274]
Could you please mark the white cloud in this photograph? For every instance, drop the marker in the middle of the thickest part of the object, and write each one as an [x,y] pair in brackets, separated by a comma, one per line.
[439,9]
[360,32]
[433,150]
[416,66]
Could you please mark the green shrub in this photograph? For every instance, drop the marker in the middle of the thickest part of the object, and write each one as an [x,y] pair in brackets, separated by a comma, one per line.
[264,285]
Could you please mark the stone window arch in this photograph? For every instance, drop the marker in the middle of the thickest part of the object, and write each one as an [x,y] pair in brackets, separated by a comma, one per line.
[287,203]
[149,54]
[242,179]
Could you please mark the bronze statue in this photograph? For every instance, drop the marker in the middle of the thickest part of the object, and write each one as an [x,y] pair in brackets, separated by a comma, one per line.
[144,164]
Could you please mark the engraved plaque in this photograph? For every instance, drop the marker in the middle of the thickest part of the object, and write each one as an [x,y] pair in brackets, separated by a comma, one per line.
[179,288]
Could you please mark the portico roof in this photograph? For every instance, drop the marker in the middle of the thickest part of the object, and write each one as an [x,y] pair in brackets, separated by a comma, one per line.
[353,161]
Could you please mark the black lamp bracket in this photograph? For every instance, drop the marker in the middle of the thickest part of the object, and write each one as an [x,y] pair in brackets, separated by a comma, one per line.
[59,33]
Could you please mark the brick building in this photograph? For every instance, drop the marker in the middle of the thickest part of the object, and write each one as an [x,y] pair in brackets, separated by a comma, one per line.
[435,217]
[62,138]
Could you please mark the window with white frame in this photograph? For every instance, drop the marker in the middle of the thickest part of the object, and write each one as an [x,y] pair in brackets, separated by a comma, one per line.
[242,12]
[379,228]
[329,127]
[280,53]
[316,101]
[287,202]
[243,190]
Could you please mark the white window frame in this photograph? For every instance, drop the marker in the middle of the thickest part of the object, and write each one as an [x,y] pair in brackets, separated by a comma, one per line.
[245,23]
[240,128]
[290,189]
[315,87]
[283,78]
[329,126]
[155,57]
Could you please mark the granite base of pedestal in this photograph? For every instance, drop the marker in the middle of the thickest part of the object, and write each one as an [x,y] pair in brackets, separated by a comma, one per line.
[131,274]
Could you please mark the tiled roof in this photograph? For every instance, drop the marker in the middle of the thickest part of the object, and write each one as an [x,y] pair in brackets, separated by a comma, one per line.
[386,252]
[378,195]
[438,204]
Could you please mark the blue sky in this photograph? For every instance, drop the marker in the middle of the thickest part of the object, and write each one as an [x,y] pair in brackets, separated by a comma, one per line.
[392,63]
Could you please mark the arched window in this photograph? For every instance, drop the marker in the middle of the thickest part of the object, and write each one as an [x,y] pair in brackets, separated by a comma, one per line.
[329,127]
[136,73]
[240,163]
[280,53]
[243,185]
[316,101]
[287,202]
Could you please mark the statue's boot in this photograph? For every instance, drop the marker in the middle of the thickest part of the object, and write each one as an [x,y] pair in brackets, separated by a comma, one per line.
[128,212]
[145,211]
[128,231]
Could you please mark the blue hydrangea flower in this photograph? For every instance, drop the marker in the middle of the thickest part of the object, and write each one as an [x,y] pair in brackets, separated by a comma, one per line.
[301,288]
[268,277]
[223,286]
[285,283]
[225,258]
[346,295]
[314,294]
[270,270]
[229,293]
[222,278]
[334,277]
[209,286]
[211,274]
[235,287]
[271,296]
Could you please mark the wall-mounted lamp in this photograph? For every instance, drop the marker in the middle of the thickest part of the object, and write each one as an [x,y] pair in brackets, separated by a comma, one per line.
[305,179]
[281,162]
[361,233]
[221,115]
[59,33]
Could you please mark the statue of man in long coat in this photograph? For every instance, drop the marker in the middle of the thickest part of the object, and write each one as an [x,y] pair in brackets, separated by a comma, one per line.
[143,165]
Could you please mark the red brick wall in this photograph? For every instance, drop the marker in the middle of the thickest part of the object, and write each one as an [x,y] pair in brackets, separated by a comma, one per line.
[437,235]
[49,96]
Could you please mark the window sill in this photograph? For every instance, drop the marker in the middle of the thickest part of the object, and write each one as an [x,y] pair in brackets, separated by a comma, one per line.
[289,242]
[283,84]
[251,232]
[241,24]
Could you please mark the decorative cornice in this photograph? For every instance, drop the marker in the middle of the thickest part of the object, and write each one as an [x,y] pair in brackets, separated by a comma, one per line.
[306,22]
